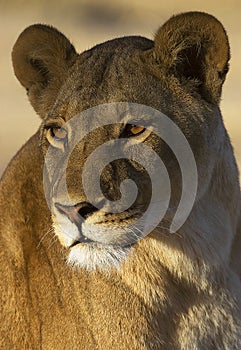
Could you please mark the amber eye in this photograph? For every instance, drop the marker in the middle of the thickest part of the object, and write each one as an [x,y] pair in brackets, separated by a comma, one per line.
[136,129]
[56,135]
[133,130]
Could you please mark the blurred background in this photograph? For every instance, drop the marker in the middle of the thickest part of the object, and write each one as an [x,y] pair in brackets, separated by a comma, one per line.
[88,22]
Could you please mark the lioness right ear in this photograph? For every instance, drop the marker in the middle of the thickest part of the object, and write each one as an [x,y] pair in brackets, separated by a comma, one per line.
[194,45]
[41,58]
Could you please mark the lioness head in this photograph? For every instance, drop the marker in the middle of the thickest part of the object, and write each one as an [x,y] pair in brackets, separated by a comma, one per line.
[180,73]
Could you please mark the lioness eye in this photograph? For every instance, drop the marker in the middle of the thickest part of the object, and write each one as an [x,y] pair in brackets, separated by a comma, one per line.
[56,134]
[136,129]
[133,130]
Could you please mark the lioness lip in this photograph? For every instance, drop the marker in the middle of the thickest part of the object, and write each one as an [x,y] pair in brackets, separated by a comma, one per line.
[82,239]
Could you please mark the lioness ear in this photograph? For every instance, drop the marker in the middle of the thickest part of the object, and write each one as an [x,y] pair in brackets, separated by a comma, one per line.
[195,45]
[41,58]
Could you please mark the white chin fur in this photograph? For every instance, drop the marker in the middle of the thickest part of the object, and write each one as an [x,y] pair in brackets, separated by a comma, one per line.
[94,257]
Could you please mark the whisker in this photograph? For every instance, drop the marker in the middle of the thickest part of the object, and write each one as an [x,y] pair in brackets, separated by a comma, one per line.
[53,241]
[45,235]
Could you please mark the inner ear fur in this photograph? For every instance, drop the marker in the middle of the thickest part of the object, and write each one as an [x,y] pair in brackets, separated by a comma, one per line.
[195,45]
[41,59]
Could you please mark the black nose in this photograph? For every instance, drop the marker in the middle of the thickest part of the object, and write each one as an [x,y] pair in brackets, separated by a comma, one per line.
[78,212]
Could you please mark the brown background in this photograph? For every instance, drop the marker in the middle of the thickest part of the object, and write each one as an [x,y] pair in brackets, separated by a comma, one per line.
[89,22]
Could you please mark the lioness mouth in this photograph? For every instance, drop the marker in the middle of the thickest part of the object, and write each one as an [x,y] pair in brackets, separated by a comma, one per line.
[82,239]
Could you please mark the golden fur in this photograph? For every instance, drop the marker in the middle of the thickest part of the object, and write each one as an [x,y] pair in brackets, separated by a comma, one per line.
[168,291]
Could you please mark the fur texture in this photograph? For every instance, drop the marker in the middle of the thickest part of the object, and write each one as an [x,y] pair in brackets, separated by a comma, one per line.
[168,291]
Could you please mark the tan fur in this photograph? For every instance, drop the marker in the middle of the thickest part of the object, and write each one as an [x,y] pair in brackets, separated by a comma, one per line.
[170,291]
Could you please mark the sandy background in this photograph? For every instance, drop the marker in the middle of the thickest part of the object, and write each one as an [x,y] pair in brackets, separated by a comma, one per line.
[89,22]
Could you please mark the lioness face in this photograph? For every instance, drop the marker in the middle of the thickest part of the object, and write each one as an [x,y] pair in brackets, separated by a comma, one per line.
[180,74]
[95,236]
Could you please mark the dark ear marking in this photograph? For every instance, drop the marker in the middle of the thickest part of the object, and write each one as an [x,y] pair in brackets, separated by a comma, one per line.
[41,68]
[222,74]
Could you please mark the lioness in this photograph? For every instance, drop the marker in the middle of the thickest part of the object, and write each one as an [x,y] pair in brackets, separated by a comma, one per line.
[177,290]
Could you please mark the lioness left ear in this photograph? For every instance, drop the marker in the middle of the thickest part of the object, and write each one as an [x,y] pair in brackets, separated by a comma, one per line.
[195,45]
[41,58]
